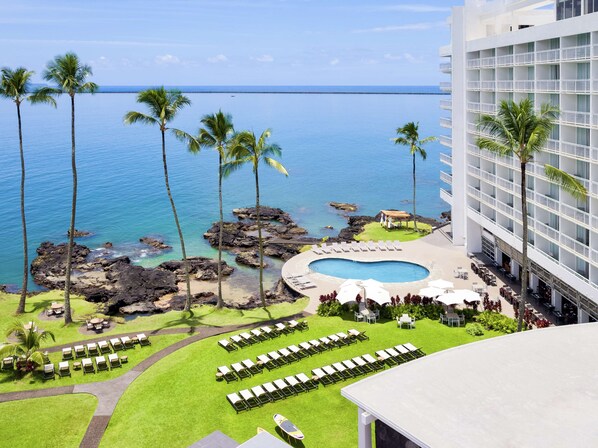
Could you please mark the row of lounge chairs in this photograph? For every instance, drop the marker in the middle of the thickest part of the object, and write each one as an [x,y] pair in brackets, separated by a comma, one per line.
[101,347]
[87,364]
[369,246]
[300,282]
[261,334]
[290,386]
[281,357]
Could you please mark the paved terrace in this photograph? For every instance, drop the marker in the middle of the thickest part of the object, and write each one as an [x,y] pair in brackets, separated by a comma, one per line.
[434,251]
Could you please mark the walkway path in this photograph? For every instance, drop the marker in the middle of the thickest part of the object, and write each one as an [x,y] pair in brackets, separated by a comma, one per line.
[109,392]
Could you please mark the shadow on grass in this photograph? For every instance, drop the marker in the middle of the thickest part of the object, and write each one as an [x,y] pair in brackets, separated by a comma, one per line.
[284,436]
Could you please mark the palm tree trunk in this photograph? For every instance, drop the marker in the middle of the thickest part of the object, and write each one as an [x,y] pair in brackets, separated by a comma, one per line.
[259,236]
[21,307]
[220,302]
[524,259]
[178,225]
[68,318]
[414,218]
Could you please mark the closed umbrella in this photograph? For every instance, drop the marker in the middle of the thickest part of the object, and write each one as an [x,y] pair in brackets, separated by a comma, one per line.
[348,293]
[468,295]
[431,292]
[450,299]
[442,284]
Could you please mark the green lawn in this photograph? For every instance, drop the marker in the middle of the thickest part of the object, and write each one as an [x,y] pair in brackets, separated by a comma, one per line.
[180,397]
[375,232]
[53,421]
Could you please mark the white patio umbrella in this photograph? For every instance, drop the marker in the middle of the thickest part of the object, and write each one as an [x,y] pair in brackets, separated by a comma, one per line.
[431,292]
[348,293]
[371,283]
[442,284]
[468,294]
[350,281]
[379,295]
[450,298]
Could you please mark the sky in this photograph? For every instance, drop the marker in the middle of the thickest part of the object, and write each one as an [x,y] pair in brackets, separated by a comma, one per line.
[232,42]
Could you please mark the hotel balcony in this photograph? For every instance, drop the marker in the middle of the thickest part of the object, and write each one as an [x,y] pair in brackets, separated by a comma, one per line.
[445,51]
[446,67]
[577,151]
[505,60]
[473,85]
[575,214]
[473,64]
[446,104]
[447,159]
[595,52]
[594,190]
[524,86]
[548,56]
[524,59]
[575,118]
[578,248]
[446,122]
[580,53]
[446,178]
[473,106]
[446,86]
[546,231]
[575,85]
[545,202]
[489,62]
[474,192]
[548,85]
[446,196]
[446,141]
[489,86]
[488,108]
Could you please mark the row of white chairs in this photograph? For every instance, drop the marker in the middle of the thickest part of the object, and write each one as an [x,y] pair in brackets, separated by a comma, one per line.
[261,334]
[344,247]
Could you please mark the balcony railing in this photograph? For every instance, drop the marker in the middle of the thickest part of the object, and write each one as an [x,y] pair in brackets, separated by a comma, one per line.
[595,51]
[552,146]
[524,86]
[473,107]
[446,140]
[594,188]
[504,85]
[578,248]
[474,171]
[524,59]
[574,117]
[548,85]
[506,59]
[576,53]
[473,85]
[488,200]
[445,51]
[546,202]
[575,213]
[446,178]
[595,256]
[446,104]
[547,231]
[488,108]
[473,63]
[446,122]
[488,62]
[488,85]
[577,151]
[446,67]
[446,86]
[489,177]
[548,56]
[446,159]
[448,193]
[595,116]
[575,85]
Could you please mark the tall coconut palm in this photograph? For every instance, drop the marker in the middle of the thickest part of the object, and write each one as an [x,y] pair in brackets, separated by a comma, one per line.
[27,347]
[163,106]
[216,134]
[408,135]
[69,75]
[518,131]
[16,86]
[247,149]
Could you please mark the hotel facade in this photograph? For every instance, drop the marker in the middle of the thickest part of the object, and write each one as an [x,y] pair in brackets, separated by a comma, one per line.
[546,51]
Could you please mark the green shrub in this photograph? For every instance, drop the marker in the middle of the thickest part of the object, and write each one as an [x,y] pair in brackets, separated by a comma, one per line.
[474,329]
[496,321]
[332,308]
[418,311]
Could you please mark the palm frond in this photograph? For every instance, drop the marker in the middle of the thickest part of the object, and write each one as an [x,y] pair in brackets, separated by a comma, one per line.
[69,74]
[276,165]
[494,146]
[137,117]
[44,95]
[185,137]
[567,182]
[233,165]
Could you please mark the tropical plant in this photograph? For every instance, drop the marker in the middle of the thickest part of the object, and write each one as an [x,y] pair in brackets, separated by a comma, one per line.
[217,133]
[518,131]
[408,135]
[27,345]
[70,77]
[247,149]
[16,86]
[163,106]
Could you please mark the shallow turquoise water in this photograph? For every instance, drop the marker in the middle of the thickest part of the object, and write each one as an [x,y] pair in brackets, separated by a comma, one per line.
[335,147]
[383,271]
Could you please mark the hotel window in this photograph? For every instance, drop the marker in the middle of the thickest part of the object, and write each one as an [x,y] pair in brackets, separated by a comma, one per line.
[553,159]
[553,221]
[553,191]
[583,39]
[531,182]
[582,169]
[582,267]
[583,70]
[531,46]
[554,72]
[583,103]
[583,135]
[591,6]
[565,9]
[583,235]
[554,99]
[583,204]
[554,251]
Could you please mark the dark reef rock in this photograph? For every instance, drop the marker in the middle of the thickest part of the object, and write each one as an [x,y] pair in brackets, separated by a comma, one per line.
[79,233]
[155,243]
[108,245]
[251,259]
[343,206]
[356,225]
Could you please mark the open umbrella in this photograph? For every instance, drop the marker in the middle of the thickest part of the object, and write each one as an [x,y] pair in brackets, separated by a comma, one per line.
[371,283]
[379,295]
[350,281]
[442,284]
[348,293]
[468,295]
[450,299]
[431,292]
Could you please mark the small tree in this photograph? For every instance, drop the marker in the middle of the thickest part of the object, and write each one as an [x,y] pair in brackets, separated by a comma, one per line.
[27,348]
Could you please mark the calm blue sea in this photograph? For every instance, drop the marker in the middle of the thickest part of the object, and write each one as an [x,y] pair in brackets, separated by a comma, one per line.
[335,147]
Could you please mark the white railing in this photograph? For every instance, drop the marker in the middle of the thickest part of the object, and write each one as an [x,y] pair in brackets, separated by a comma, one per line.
[594,222]
[596,51]
[505,184]
[582,180]
[488,62]
[504,85]
[548,85]
[474,171]
[489,177]
[488,108]
[472,128]
[446,104]
[596,86]
[473,107]
[446,86]
[446,140]
[594,190]
[505,208]
[506,59]
[546,202]
[575,213]
[574,117]
[547,231]
[446,158]
[446,67]
[446,122]
[472,191]
[595,256]
[595,116]
[552,145]
[488,200]
[488,85]
[576,53]
[446,178]
[449,195]
[575,85]
[473,63]
[524,59]
[578,151]
[548,55]
[578,247]
[473,85]
[527,85]
[445,50]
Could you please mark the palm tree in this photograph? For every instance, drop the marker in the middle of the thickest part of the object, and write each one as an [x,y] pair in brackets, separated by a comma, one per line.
[409,136]
[70,77]
[16,85]
[518,131]
[26,349]
[246,149]
[164,105]
[217,135]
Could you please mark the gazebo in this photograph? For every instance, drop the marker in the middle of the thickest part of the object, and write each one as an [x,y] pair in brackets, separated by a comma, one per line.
[387,218]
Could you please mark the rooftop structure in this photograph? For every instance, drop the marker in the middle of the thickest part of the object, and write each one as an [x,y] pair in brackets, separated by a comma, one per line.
[546,51]
[537,388]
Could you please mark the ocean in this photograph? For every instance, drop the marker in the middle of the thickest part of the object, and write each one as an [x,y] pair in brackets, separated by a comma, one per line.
[336,144]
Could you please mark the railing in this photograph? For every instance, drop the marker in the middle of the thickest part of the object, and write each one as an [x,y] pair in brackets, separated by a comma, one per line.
[473,85]
[472,128]
[594,189]
[446,67]
[576,53]
[474,171]
[446,122]
[488,62]
[582,180]
[505,184]
[595,256]
[548,85]
[524,59]
[506,59]
[596,51]
[446,104]
[594,222]
[578,151]
[488,85]
[548,56]
[575,213]
[575,85]
[446,158]
[473,107]
[445,50]
[595,116]
[488,108]
[446,178]
[505,208]
[552,146]
[446,86]
[473,63]
[578,248]
[488,200]
[446,140]
[446,192]
[489,177]
[547,202]
[547,231]
[527,85]
[504,85]
[472,191]
[574,117]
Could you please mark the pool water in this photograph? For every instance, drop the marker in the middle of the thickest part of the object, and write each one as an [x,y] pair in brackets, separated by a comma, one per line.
[383,271]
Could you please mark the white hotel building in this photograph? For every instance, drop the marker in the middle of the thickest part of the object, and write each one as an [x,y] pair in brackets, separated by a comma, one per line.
[547,51]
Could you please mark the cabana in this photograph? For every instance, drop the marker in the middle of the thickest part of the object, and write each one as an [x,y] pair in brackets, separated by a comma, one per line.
[388,218]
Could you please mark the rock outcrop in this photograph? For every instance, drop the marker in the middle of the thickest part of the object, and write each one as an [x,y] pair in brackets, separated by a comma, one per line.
[79,233]
[343,206]
[356,225]
[155,243]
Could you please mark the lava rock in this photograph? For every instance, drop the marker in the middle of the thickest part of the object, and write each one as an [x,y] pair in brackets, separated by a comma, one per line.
[343,206]
[155,243]
[79,233]
[250,259]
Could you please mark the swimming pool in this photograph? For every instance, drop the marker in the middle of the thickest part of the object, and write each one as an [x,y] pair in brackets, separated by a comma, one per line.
[383,271]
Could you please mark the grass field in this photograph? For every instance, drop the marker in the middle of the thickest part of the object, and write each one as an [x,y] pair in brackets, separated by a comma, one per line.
[59,421]
[178,401]
[375,232]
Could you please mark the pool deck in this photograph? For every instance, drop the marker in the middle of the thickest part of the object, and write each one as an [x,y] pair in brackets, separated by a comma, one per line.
[435,252]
